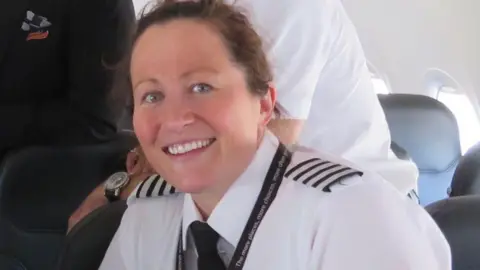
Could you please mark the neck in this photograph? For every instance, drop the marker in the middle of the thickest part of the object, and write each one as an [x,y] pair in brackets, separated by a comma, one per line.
[205,204]
[207,201]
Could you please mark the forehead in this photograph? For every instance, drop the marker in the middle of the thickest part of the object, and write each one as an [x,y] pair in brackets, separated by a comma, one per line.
[179,44]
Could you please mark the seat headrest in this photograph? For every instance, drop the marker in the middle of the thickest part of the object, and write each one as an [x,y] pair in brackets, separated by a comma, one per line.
[41,186]
[88,241]
[466,179]
[459,220]
[426,128]
[399,152]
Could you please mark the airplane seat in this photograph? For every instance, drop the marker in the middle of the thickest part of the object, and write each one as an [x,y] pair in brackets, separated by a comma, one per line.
[466,179]
[87,242]
[11,263]
[40,187]
[459,220]
[399,151]
[428,131]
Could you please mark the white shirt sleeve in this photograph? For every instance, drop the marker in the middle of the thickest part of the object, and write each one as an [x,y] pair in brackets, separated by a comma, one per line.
[296,47]
[113,258]
[121,253]
[312,46]
[372,227]
[146,240]
[345,117]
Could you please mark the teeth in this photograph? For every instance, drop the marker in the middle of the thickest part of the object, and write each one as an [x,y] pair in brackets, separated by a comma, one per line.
[177,149]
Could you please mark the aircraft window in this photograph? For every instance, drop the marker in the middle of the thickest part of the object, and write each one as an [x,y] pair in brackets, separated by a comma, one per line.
[464,111]
[379,85]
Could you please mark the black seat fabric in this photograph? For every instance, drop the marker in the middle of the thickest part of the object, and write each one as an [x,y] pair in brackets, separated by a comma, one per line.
[466,179]
[8,262]
[459,220]
[88,241]
[428,131]
[40,188]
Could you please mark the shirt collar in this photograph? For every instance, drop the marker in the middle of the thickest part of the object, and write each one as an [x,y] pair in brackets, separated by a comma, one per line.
[232,212]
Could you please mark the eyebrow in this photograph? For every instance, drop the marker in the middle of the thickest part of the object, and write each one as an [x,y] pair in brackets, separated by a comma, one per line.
[198,70]
[151,80]
[184,75]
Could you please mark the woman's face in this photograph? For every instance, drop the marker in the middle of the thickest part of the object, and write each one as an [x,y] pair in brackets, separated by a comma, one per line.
[194,116]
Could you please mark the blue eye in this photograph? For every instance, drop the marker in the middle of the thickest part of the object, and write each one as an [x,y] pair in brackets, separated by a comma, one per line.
[152,97]
[201,88]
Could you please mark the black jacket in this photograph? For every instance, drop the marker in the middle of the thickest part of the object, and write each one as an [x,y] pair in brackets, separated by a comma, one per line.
[55,79]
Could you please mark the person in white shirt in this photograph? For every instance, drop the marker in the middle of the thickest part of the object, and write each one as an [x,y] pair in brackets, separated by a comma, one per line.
[235,197]
[324,86]
[325,93]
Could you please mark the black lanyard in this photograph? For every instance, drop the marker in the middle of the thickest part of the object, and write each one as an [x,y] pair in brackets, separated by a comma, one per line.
[264,200]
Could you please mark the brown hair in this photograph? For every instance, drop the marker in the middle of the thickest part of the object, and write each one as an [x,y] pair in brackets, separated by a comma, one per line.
[243,43]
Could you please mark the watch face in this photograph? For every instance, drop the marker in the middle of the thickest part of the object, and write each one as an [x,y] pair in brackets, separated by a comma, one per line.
[116,180]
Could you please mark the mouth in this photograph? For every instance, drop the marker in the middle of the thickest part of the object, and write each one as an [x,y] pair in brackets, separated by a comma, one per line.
[187,147]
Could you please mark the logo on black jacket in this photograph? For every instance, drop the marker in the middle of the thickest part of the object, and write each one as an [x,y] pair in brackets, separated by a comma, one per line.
[36,25]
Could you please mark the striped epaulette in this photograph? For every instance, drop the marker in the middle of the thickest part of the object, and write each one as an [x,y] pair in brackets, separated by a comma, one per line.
[154,186]
[316,172]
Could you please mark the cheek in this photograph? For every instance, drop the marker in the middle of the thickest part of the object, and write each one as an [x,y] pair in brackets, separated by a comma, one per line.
[144,127]
[233,114]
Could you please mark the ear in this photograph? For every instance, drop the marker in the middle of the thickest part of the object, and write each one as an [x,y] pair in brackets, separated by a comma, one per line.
[267,104]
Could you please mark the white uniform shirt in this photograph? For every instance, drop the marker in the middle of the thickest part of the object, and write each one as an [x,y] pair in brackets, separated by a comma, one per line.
[364,223]
[321,77]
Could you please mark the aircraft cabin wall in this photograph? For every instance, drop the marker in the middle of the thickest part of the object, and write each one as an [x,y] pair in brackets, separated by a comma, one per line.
[406,38]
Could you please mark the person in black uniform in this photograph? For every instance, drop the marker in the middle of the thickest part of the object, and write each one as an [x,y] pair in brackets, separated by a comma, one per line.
[56,60]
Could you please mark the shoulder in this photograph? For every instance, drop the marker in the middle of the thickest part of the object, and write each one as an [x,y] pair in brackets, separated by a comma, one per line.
[159,212]
[350,207]
[153,201]
[152,186]
[329,183]
[151,223]
[347,192]
[321,171]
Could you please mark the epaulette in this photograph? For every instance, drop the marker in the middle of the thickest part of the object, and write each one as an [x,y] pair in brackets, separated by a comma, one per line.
[154,186]
[316,172]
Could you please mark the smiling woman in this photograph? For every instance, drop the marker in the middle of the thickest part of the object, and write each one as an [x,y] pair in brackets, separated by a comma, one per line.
[203,98]
[184,97]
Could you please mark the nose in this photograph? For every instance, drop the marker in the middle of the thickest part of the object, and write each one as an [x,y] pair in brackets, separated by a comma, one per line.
[177,116]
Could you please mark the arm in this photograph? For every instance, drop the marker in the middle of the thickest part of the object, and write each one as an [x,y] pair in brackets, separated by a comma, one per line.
[321,74]
[136,166]
[292,43]
[97,199]
[290,36]
[287,130]
[348,115]
[372,227]
[97,37]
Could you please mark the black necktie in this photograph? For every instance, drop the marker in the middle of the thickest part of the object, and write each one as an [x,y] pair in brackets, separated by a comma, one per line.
[206,240]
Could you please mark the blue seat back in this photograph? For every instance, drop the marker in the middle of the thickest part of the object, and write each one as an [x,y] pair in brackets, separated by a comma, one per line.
[428,131]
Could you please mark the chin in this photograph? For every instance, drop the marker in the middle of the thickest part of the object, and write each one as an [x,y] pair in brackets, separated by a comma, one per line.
[193,185]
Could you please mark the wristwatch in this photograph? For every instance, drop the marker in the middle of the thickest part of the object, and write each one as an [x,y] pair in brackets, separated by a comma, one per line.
[114,185]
